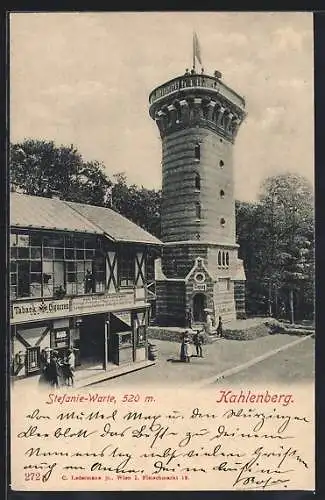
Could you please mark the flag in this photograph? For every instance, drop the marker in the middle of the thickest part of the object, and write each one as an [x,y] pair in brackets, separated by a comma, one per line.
[196,49]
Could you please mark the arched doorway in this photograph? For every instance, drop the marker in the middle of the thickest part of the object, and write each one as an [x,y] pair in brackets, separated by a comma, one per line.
[199,304]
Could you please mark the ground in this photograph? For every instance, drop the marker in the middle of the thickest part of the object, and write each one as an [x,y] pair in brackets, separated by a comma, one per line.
[293,364]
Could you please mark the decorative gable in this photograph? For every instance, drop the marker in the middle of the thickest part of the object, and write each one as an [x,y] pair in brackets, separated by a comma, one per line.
[199,275]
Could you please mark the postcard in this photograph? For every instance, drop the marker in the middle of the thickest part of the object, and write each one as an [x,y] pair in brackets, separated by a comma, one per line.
[162,327]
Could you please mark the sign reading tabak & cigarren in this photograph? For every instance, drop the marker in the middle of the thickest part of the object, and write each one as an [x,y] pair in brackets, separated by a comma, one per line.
[41,309]
[47,309]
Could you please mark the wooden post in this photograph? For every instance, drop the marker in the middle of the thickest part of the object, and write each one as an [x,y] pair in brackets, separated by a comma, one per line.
[270,298]
[106,336]
[292,318]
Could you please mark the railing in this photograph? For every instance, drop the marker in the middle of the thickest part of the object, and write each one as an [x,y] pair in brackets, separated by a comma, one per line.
[196,81]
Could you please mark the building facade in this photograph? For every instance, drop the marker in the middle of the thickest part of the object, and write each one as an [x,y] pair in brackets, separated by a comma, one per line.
[77,279]
[198,117]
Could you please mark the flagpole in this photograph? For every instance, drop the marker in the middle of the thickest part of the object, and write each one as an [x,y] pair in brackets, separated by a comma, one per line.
[193,47]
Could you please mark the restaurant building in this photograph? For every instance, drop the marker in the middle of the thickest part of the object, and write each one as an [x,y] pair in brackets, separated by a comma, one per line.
[77,279]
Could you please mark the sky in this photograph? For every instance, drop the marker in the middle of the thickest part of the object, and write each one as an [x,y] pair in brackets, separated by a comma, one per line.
[84,79]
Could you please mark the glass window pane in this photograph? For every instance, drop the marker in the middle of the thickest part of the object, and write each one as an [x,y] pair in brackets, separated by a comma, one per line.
[36,266]
[13,292]
[13,278]
[54,240]
[90,254]
[48,253]
[90,243]
[23,240]
[35,252]
[71,266]
[80,254]
[23,253]
[13,252]
[23,278]
[13,239]
[80,243]
[47,266]
[59,253]
[36,277]
[69,241]
[13,267]
[36,240]
[80,267]
[71,277]
[69,253]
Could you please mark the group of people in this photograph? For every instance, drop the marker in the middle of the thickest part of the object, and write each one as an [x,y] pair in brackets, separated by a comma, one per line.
[56,370]
[197,338]
[186,346]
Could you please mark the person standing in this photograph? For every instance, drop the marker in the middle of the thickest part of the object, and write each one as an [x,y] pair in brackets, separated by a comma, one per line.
[208,324]
[71,365]
[198,340]
[219,328]
[53,370]
[187,348]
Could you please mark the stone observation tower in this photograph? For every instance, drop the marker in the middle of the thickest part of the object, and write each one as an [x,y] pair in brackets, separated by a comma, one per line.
[198,117]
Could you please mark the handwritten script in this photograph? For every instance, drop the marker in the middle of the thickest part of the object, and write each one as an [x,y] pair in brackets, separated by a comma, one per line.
[67,441]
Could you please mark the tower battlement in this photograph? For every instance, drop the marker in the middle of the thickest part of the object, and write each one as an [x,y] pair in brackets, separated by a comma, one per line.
[197,100]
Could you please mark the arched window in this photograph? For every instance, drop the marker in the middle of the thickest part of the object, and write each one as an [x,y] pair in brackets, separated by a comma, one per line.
[222,221]
[223,259]
[198,210]
[197,151]
[222,193]
[221,163]
[227,259]
[197,181]
[219,258]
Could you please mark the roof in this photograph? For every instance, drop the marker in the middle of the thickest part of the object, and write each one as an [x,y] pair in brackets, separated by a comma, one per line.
[114,225]
[47,213]
[50,213]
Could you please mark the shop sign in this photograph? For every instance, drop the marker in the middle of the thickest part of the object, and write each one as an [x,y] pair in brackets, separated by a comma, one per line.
[199,287]
[39,310]
[102,303]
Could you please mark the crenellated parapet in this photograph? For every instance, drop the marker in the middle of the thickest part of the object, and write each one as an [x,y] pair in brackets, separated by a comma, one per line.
[197,100]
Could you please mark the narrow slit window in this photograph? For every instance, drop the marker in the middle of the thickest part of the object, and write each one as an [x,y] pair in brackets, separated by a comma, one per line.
[222,193]
[227,259]
[197,151]
[197,182]
[223,259]
[198,210]
[219,259]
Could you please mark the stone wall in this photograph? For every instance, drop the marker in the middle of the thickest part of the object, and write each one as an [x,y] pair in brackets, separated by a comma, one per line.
[170,304]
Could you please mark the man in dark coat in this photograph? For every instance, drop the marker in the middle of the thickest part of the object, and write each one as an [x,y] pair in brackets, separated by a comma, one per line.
[198,340]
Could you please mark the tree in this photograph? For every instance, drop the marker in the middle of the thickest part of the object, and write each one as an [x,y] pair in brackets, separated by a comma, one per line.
[42,168]
[139,204]
[276,240]
[287,203]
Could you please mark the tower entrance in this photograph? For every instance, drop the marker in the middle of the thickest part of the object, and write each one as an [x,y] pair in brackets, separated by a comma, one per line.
[199,304]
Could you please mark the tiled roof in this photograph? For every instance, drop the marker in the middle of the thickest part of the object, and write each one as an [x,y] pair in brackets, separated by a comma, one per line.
[114,224]
[51,213]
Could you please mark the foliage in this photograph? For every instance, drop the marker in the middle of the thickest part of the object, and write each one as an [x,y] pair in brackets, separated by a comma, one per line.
[139,204]
[41,168]
[277,244]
